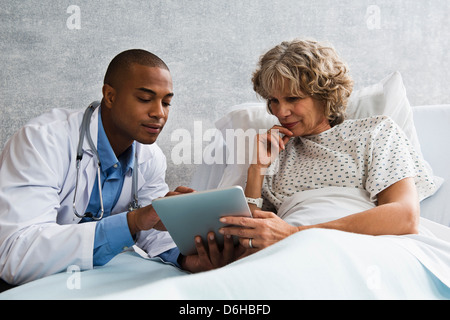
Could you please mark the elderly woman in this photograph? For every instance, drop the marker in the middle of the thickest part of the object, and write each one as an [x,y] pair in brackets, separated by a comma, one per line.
[306,86]
[316,169]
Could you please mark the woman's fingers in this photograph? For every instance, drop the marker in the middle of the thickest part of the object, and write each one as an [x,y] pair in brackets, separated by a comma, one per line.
[263,214]
[238,221]
[247,222]
[263,230]
[270,143]
[274,133]
[243,227]
[239,232]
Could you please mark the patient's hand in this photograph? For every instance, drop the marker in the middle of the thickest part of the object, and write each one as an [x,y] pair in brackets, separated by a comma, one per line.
[259,232]
[211,257]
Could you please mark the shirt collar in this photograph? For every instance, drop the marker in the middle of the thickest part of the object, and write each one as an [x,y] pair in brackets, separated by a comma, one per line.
[105,152]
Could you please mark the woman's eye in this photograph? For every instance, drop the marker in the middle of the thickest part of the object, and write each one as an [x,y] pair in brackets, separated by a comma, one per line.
[273,101]
[293,99]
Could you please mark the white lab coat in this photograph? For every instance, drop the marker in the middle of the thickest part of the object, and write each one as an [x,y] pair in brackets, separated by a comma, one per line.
[39,233]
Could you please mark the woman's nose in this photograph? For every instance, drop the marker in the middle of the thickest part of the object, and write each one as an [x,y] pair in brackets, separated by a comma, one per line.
[284,110]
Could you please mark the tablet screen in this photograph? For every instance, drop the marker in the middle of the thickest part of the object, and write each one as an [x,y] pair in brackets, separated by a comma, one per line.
[188,215]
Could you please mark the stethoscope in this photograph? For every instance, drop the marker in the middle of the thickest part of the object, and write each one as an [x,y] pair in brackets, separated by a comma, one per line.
[84,130]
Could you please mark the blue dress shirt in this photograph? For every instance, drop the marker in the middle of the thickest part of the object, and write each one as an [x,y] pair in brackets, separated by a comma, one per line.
[112,234]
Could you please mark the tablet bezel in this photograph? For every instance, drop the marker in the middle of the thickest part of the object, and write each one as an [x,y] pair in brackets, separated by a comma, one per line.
[187,215]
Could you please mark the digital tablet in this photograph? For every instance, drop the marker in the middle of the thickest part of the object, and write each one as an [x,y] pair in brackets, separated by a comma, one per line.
[194,214]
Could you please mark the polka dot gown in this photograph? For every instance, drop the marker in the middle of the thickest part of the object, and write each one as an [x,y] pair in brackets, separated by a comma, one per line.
[371,154]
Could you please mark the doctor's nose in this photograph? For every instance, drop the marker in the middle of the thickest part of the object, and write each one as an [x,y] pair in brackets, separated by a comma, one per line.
[157,110]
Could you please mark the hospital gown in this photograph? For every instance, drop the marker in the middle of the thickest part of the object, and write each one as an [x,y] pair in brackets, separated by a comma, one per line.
[371,154]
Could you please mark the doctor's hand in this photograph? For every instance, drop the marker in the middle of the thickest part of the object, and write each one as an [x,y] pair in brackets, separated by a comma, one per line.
[211,257]
[146,218]
[179,190]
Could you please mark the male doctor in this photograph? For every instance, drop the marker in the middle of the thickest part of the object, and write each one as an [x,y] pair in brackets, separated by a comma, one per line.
[41,189]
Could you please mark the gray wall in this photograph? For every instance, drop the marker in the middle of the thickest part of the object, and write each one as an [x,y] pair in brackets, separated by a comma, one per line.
[55,55]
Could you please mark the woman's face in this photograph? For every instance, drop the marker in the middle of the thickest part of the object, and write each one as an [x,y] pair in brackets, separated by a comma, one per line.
[302,115]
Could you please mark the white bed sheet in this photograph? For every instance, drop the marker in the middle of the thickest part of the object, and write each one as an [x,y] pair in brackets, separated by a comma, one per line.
[312,264]
[315,264]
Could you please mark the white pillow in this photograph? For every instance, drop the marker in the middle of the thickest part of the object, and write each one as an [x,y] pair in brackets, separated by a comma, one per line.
[387,97]
[244,116]
[247,116]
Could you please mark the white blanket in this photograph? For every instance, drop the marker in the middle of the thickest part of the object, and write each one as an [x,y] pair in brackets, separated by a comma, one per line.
[312,264]
[431,246]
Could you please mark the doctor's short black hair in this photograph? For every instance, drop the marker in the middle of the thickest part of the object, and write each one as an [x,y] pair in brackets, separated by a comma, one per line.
[123,60]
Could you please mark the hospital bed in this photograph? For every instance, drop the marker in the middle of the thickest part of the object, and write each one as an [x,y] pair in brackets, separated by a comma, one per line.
[313,264]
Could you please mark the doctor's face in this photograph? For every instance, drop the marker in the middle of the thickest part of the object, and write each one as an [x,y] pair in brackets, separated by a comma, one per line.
[138,108]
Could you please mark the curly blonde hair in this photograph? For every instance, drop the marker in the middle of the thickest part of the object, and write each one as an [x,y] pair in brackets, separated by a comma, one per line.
[309,68]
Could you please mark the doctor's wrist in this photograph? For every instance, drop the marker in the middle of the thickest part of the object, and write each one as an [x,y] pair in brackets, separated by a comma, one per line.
[131,219]
[141,219]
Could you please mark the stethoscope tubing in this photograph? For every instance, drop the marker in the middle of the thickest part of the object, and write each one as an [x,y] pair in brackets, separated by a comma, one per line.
[84,130]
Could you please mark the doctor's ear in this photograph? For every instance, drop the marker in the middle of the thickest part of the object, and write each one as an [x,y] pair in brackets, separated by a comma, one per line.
[109,94]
